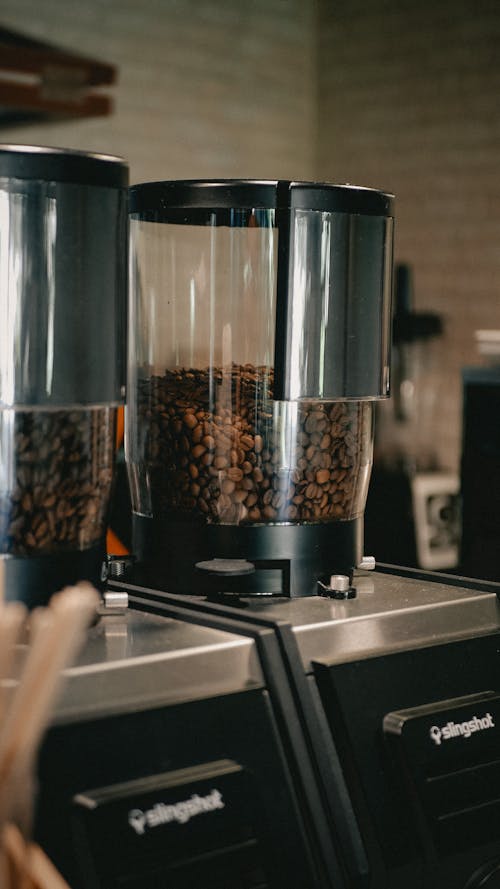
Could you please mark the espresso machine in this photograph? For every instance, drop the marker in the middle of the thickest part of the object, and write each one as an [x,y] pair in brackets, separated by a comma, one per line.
[256,706]
[259,342]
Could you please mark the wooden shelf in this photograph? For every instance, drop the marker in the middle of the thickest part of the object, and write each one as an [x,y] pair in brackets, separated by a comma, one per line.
[38,79]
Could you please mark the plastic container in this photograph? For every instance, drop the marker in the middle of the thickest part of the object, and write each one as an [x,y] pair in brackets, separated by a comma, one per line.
[259,338]
[63,255]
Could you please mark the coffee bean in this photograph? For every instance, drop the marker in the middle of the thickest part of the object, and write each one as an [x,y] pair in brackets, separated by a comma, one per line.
[197,433]
[248,463]
[16,525]
[27,502]
[240,496]
[269,513]
[247,442]
[310,452]
[278,500]
[198,450]
[63,463]
[322,476]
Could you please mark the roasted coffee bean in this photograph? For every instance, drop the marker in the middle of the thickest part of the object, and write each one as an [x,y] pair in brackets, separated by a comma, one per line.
[269,513]
[278,500]
[63,464]
[238,447]
[310,452]
[268,496]
[240,496]
[197,433]
[322,476]
[209,442]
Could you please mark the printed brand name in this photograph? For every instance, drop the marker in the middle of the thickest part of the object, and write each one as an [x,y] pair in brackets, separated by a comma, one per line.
[460,729]
[163,813]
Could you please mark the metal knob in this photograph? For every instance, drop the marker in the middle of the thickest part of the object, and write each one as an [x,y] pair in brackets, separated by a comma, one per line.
[338,587]
[367,563]
[114,602]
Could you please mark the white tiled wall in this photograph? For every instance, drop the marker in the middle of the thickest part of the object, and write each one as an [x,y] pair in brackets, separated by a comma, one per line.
[387,93]
[207,87]
[410,102]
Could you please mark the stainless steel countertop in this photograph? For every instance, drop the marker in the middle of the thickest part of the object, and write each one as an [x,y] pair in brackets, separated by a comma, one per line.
[137,661]
[390,613]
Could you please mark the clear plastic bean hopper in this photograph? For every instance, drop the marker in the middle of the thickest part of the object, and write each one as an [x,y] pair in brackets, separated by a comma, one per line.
[63,249]
[259,337]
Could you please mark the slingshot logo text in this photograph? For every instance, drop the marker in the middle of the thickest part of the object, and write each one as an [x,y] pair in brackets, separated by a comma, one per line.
[140,820]
[460,729]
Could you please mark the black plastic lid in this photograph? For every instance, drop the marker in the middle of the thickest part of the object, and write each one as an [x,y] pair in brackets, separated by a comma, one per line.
[62,165]
[258,194]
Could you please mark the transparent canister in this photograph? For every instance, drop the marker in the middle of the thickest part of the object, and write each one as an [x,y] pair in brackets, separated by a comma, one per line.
[63,254]
[259,339]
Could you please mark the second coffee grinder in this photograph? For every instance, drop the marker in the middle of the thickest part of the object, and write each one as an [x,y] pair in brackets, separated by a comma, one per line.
[259,338]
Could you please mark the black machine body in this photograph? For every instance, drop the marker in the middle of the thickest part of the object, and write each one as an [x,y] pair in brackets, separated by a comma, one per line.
[398,696]
[166,764]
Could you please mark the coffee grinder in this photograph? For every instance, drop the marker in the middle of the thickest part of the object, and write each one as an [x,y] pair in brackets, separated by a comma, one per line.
[259,338]
[63,248]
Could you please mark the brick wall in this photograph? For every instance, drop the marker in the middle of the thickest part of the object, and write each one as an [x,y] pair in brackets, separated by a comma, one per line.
[409,101]
[206,88]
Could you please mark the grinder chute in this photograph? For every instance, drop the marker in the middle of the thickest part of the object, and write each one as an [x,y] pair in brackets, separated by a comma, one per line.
[259,337]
